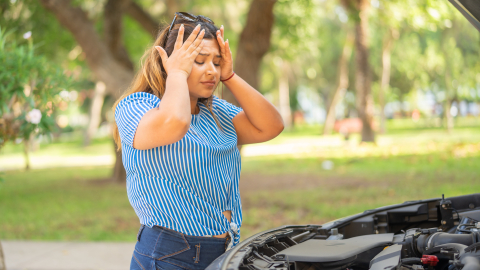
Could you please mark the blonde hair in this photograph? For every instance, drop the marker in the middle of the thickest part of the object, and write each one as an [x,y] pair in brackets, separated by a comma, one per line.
[151,76]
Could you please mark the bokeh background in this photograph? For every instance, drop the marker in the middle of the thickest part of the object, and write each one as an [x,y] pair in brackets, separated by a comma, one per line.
[381,101]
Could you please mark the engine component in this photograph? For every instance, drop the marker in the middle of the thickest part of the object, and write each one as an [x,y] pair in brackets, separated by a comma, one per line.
[427,241]
[430,260]
[468,258]
[446,211]
[387,259]
[334,250]
[466,225]
[334,235]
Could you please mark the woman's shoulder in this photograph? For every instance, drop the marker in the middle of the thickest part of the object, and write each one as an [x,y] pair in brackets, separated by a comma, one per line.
[223,106]
[139,98]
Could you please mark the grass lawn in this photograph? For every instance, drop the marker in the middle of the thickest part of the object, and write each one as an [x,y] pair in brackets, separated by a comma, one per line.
[407,164]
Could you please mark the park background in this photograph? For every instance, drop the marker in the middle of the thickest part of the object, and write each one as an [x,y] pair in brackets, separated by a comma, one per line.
[407,70]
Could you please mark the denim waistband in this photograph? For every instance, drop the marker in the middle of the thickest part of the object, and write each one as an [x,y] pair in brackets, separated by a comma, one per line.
[170,247]
[159,231]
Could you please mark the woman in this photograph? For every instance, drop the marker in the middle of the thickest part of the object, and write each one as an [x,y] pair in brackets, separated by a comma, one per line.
[179,146]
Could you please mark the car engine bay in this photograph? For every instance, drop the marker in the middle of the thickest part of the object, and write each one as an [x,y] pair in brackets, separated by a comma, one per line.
[440,234]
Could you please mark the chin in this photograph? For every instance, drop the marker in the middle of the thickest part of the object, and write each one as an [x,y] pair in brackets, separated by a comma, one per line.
[206,94]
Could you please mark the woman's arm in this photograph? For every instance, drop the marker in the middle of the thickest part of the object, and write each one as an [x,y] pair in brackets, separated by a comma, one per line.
[260,120]
[170,122]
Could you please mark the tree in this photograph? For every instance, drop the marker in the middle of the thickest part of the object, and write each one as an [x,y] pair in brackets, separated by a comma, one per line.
[358,11]
[341,86]
[253,44]
[2,259]
[28,91]
[107,59]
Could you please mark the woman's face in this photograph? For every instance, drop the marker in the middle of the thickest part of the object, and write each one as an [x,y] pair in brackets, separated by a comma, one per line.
[205,74]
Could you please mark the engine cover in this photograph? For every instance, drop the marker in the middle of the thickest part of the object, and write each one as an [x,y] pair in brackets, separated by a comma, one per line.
[334,250]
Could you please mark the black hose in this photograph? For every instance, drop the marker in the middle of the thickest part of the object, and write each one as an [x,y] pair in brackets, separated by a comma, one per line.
[410,261]
[425,242]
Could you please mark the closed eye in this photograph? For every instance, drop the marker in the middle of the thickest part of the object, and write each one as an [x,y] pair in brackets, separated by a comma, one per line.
[198,63]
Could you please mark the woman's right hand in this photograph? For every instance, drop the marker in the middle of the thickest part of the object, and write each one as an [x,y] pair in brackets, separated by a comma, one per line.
[183,55]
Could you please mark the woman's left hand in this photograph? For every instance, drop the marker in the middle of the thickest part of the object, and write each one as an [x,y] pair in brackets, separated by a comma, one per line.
[226,63]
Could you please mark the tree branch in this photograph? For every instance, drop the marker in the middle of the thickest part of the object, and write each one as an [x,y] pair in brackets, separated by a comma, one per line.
[113,31]
[254,43]
[100,60]
[143,18]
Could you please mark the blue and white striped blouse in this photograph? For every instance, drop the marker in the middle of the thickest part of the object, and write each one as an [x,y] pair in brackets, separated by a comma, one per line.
[184,186]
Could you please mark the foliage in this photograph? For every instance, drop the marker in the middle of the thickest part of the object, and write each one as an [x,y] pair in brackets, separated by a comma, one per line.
[28,88]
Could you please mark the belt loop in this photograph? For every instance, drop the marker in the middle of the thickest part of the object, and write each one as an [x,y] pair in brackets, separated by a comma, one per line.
[140,232]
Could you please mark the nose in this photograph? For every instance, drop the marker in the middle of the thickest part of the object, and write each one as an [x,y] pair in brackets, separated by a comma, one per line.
[211,69]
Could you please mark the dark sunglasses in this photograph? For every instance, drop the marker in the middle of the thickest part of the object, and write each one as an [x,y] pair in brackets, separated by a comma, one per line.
[186,17]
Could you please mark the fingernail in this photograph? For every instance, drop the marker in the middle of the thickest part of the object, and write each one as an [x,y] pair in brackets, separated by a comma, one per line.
[198,25]
[181,26]
[156,47]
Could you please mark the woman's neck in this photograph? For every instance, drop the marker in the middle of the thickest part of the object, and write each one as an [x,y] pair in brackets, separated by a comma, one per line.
[194,107]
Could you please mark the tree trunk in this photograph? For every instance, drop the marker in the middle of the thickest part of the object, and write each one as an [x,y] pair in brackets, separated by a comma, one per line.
[284,96]
[143,18]
[386,70]
[119,173]
[2,258]
[95,112]
[364,99]
[98,56]
[448,115]
[172,7]
[450,88]
[108,60]
[26,151]
[342,84]
[253,44]
[114,10]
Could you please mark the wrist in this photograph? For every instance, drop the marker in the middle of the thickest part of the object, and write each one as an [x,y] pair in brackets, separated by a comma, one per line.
[178,73]
[229,77]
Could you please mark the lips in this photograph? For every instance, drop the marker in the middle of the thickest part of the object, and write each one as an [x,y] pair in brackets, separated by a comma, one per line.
[209,83]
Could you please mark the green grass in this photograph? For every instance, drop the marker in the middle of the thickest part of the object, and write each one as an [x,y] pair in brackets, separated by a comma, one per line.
[79,204]
[65,204]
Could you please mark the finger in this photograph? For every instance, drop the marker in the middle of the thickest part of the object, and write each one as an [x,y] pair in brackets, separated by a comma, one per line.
[220,41]
[227,53]
[197,41]
[229,50]
[163,55]
[192,36]
[197,50]
[222,29]
[179,41]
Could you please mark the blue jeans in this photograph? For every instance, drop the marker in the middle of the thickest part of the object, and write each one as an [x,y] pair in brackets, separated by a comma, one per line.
[164,249]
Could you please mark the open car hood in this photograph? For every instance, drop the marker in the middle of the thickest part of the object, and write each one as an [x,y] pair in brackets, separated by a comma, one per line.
[470,9]
[374,239]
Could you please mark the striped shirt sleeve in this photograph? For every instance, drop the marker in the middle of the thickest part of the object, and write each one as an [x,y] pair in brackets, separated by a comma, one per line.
[226,108]
[130,111]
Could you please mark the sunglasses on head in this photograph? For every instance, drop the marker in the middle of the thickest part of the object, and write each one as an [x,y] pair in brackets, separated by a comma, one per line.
[187,17]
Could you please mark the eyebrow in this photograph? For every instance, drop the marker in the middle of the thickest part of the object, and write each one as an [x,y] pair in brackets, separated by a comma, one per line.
[207,54]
